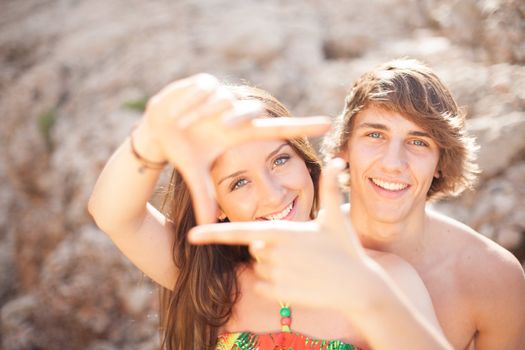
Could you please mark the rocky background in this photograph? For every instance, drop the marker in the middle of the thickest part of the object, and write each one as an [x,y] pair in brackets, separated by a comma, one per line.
[75,74]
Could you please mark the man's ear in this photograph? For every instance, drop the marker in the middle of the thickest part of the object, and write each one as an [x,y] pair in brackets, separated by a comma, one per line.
[437,173]
[343,153]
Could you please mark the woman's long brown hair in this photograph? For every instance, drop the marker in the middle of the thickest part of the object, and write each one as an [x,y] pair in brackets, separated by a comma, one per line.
[206,289]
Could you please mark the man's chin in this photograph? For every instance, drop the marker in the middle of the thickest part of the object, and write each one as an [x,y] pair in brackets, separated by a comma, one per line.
[389,215]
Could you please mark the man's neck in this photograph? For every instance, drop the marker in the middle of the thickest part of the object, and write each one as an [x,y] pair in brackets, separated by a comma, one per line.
[404,238]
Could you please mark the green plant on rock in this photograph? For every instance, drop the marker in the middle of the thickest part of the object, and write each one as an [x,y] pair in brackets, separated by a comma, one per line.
[138,104]
[46,121]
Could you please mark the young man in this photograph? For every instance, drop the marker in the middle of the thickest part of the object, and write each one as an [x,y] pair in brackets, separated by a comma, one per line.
[405,142]
[404,138]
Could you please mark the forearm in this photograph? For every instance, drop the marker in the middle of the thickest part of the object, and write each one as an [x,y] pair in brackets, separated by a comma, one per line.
[121,192]
[391,319]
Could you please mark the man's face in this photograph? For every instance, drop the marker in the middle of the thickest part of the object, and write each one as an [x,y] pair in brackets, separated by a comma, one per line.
[392,165]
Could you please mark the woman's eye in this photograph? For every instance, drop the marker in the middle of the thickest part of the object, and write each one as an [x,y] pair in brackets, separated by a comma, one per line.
[419,143]
[281,160]
[238,184]
[375,135]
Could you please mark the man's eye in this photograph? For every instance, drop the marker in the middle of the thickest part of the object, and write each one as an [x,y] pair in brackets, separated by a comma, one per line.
[375,135]
[419,143]
[281,160]
[238,184]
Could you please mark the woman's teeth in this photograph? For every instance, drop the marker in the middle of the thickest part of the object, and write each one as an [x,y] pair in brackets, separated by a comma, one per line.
[281,215]
[391,186]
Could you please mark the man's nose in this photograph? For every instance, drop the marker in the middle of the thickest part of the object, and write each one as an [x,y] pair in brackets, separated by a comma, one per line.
[394,157]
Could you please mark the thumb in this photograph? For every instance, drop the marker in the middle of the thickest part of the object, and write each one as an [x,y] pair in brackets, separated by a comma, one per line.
[330,195]
[202,195]
[333,218]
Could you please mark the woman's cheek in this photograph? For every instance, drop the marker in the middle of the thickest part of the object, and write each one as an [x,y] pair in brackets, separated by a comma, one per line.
[239,207]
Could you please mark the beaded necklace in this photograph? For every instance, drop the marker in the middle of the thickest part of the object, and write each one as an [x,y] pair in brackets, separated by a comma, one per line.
[285,312]
[286,317]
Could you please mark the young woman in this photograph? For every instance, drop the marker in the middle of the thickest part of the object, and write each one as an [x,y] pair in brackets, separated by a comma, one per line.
[209,298]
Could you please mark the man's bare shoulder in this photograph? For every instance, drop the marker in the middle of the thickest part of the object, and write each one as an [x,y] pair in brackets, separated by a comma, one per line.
[399,269]
[485,264]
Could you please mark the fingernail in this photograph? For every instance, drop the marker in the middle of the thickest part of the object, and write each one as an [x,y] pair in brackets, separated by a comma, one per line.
[243,110]
[258,245]
[207,82]
[194,235]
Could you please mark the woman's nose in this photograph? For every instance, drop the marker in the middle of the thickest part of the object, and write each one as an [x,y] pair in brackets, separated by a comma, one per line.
[272,192]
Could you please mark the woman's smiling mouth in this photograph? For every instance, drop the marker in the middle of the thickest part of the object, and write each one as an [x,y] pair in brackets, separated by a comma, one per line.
[284,214]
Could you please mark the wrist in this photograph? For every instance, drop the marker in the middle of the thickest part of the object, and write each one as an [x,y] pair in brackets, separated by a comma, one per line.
[146,150]
[372,295]
[145,145]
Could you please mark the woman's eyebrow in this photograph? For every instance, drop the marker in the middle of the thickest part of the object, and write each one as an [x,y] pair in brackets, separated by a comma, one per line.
[237,173]
[274,152]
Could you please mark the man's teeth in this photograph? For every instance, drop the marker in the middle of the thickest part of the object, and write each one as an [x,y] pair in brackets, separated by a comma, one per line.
[392,186]
[281,215]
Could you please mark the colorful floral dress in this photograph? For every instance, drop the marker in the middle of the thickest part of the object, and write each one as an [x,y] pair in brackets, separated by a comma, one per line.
[277,341]
[284,340]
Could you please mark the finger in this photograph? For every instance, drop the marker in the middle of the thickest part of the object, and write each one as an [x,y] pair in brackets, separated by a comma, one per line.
[179,86]
[285,128]
[202,195]
[183,106]
[263,271]
[330,193]
[256,249]
[333,216]
[243,233]
[200,85]
[220,101]
[212,110]
[243,111]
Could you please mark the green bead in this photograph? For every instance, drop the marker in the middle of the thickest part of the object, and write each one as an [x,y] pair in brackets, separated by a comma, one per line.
[285,312]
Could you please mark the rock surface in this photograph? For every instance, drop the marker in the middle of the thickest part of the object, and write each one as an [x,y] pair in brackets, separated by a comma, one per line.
[70,68]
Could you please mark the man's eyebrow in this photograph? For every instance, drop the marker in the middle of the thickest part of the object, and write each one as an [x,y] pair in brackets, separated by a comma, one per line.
[373,126]
[384,127]
[237,173]
[420,134]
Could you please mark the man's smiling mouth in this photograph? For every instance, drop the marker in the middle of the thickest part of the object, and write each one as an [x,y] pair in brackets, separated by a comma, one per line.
[389,186]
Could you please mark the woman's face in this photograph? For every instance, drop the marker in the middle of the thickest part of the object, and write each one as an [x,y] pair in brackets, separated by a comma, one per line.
[263,180]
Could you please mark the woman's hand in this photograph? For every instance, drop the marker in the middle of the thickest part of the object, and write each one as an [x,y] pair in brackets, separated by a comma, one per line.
[192,121]
[319,263]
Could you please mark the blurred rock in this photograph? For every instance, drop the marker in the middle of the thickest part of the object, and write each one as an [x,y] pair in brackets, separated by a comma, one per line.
[494,26]
[509,238]
[16,324]
[71,69]
[502,139]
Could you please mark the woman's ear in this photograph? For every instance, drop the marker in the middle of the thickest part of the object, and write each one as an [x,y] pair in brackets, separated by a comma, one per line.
[220,215]
[437,174]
